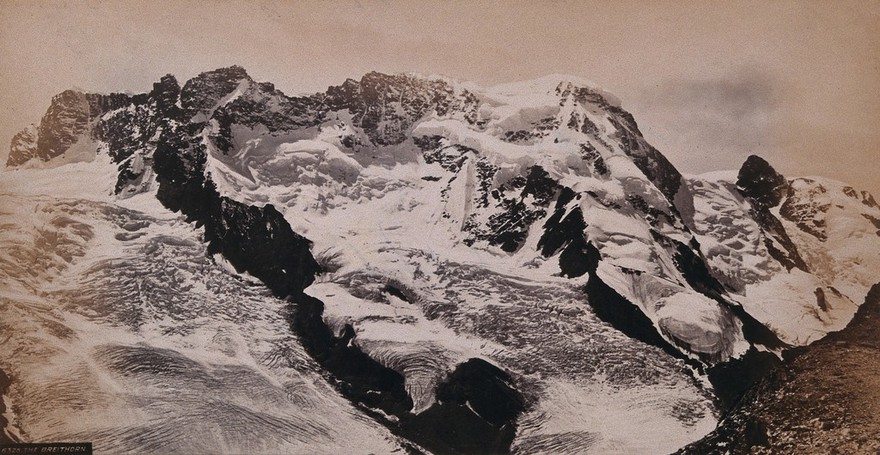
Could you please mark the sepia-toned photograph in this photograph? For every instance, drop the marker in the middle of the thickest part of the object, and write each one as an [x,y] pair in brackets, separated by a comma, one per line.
[439,227]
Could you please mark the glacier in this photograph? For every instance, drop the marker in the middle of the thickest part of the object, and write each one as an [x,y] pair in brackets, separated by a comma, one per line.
[217,256]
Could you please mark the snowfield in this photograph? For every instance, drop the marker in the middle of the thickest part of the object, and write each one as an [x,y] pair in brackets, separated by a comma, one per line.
[527,226]
[117,317]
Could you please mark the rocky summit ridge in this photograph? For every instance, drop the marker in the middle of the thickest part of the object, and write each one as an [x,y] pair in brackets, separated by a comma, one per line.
[379,187]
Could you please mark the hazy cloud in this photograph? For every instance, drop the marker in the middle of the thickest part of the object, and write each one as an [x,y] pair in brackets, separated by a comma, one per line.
[726,118]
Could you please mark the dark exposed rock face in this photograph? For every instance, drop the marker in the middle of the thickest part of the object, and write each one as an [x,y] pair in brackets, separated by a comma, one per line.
[165,93]
[63,124]
[67,120]
[247,103]
[477,404]
[475,413]
[130,137]
[560,232]
[868,200]
[622,314]
[564,231]
[23,147]
[127,131]
[648,159]
[450,158]
[386,107]
[589,153]
[806,210]
[260,241]
[823,399]
[260,105]
[179,161]
[765,188]
[735,377]
[257,240]
[203,92]
[518,203]
[692,265]
[758,181]
[359,377]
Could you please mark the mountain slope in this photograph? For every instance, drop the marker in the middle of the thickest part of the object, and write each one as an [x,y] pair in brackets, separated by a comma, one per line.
[525,241]
[824,399]
[119,329]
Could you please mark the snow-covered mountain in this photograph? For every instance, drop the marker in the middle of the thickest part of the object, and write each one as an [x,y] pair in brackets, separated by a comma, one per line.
[477,269]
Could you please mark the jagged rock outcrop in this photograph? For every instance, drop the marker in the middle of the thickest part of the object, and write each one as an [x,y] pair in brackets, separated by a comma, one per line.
[823,399]
[203,92]
[23,147]
[765,188]
[761,183]
[254,239]
[68,120]
[476,406]
[387,106]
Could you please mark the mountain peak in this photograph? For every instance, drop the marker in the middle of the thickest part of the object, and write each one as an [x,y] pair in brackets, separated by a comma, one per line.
[758,180]
[204,91]
[543,84]
[552,84]
[232,72]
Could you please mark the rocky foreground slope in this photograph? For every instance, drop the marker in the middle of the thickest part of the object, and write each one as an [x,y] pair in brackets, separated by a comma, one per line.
[476,269]
[825,399]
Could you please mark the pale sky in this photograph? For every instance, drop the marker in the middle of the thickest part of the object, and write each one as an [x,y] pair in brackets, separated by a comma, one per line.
[708,82]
